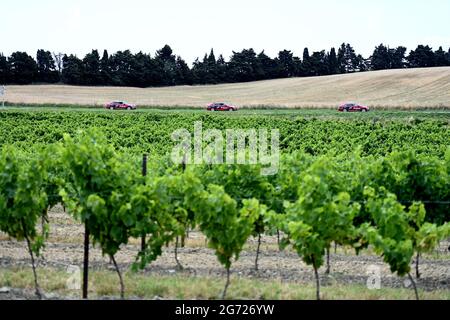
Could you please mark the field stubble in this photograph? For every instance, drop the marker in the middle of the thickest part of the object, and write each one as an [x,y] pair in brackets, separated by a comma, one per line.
[392,89]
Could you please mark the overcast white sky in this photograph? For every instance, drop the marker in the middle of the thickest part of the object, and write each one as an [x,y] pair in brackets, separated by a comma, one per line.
[193,27]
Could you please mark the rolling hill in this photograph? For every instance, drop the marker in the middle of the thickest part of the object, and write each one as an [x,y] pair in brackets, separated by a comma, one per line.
[404,89]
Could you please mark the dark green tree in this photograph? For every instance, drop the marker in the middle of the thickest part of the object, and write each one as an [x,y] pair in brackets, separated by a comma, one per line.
[198,72]
[244,66]
[287,64]
[386,58]
[333,66]
[351,59]
[422,57]
[183,73]
[222,69]
[341,59]
[211,68]
[139,75]
[441,58]
[166,63]
[318,64]
[270,67]
[23,68]
[397,57]
[380,58]
[122,64]
[208,69]
[4,70]
[92,69]
[105,69]
[153,73]
[46,68]
[348,61]
[72,70]
[306,64]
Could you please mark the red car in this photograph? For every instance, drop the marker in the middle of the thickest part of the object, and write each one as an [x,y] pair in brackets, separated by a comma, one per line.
[219,106]
[120,105]
[353,107]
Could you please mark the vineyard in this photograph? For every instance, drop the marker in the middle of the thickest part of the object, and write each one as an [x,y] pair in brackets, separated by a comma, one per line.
[150,132]
[363,185]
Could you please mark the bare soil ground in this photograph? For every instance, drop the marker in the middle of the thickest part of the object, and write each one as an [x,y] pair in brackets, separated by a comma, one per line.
[65,249]
[404,89]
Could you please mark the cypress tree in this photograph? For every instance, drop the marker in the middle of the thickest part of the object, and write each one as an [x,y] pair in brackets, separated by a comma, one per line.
[333,66]
[105,69]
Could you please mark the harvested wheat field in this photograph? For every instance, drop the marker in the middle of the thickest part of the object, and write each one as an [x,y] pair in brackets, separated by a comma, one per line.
[402,89]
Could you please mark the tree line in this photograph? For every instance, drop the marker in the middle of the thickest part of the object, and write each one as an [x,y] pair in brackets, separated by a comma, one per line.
[124,68]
